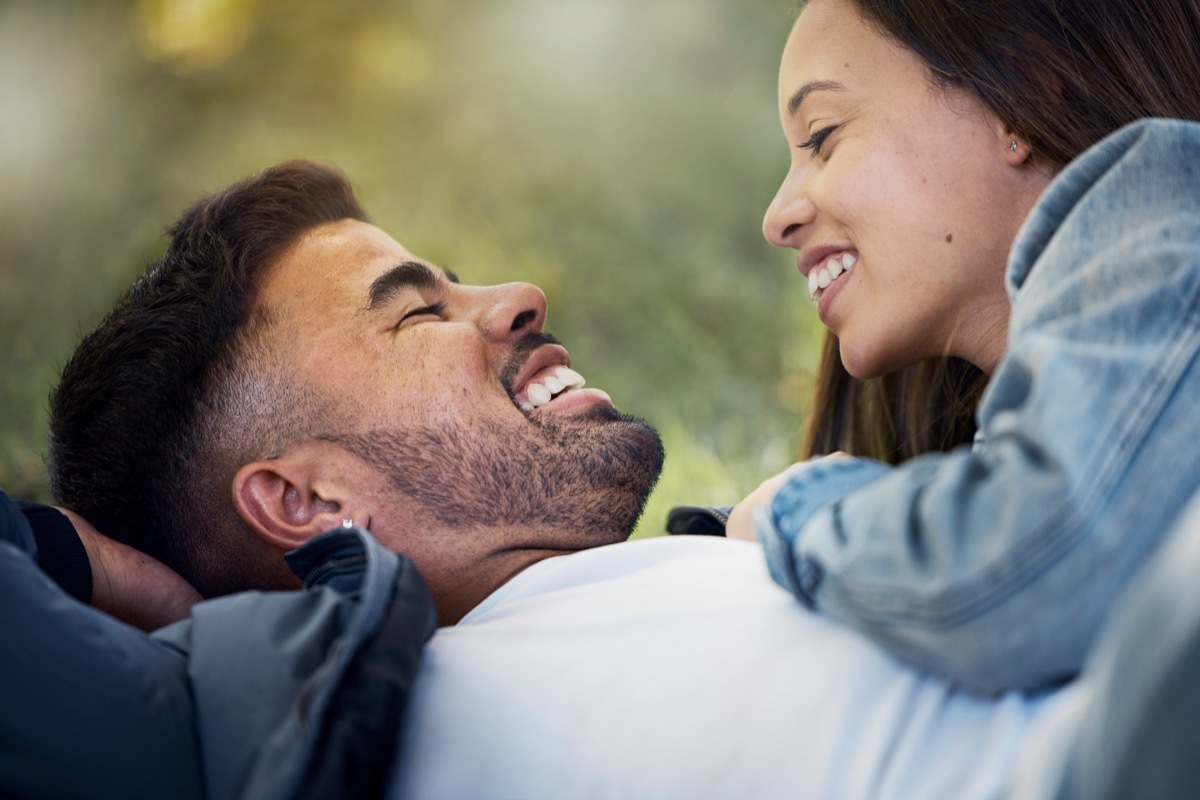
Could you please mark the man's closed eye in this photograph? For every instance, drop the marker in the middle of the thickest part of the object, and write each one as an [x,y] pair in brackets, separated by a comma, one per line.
[437,309]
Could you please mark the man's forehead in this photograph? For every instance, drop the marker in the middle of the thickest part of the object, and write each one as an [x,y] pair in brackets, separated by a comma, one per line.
[335,259]
[349,244]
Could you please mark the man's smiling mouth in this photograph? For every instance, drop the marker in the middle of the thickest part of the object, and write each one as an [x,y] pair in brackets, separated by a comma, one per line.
[546,385]
[538,374]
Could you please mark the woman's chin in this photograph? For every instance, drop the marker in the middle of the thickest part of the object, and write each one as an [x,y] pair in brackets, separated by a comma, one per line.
[864,364]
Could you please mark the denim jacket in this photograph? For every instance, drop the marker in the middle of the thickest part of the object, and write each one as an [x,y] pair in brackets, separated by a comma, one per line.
[994,565]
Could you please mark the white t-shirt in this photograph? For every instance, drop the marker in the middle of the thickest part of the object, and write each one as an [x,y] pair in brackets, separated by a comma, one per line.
[675,668]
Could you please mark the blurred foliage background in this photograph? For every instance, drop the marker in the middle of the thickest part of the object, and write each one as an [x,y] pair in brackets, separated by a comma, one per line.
[619,153]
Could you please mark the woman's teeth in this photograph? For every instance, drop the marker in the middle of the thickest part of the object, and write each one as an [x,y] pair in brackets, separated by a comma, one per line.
[550,383]
[818,279]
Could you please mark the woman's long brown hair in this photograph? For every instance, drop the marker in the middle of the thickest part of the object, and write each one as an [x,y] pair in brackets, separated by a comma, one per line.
[927,407]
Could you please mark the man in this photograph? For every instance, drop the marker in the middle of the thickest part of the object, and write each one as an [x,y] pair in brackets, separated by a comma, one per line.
[287,368]
[289,356]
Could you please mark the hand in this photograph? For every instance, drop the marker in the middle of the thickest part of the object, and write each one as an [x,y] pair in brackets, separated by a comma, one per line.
[741,520]
[130,585]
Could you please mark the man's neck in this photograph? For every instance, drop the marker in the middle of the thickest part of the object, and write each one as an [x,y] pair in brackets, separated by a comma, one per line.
[455,596]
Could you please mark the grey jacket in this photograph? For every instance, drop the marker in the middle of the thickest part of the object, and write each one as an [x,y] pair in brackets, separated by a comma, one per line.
[264,695]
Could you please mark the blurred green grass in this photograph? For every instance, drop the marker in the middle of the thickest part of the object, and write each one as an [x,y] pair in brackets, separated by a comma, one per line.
[619,154]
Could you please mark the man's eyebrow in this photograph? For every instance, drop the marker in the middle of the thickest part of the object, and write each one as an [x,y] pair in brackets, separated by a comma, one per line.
[807,89]
[409,275]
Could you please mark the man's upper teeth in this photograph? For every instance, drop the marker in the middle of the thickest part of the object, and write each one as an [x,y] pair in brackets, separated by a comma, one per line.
[548,384]
[820,278]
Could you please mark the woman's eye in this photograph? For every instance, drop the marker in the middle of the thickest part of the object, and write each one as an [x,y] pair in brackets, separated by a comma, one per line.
[438,309]
[817,139]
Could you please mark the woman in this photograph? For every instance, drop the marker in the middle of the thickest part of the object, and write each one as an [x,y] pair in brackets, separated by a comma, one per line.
[942,205]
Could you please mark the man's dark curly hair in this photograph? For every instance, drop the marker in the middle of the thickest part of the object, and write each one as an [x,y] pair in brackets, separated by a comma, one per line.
[179,385]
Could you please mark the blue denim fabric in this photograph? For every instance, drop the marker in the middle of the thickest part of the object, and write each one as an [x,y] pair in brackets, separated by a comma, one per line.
[995,565]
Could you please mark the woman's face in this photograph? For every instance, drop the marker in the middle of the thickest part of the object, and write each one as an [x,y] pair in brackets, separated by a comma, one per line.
[902,199]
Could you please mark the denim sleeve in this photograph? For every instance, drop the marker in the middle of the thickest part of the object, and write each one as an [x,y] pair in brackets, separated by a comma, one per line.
[810,487]
[995,566]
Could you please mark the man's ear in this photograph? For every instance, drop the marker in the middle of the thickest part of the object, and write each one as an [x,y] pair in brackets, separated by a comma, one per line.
[290,499]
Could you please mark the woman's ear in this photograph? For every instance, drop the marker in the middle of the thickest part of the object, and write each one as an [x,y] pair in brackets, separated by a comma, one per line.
[1017,151]
[288,500]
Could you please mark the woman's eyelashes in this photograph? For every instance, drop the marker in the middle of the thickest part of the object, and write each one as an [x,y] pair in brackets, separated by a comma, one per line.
[817,139]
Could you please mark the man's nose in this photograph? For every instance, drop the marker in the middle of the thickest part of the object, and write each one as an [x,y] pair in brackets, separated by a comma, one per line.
[789,212]
[512,309]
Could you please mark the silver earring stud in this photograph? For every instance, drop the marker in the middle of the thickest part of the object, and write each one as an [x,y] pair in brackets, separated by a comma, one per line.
[1012,146]
[347,523]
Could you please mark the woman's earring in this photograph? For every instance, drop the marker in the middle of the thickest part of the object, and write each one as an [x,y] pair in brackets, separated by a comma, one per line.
[1012,146]
[347,524]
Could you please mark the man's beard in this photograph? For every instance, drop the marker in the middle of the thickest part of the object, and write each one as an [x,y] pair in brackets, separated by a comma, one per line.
[587,476]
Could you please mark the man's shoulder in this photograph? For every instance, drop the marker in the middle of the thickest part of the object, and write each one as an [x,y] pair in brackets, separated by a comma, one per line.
[647,572]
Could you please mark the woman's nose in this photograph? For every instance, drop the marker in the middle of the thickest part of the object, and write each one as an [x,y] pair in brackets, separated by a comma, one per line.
[513,309]
[788,213]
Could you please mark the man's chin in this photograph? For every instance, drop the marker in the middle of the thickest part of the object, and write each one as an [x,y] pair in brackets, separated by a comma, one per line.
[620,458]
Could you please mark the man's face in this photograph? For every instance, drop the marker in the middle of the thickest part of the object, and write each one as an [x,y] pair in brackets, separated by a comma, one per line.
[444,392]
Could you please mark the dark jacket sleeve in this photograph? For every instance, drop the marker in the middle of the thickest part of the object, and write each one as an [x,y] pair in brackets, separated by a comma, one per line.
[89,707]
[357,737]
[286,694]
[60,553]
[300,694]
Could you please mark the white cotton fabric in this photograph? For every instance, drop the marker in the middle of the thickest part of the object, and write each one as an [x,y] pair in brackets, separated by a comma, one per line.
[675,667]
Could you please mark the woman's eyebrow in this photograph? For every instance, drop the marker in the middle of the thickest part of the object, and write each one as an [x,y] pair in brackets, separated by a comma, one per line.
[409,275]
[812,86]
